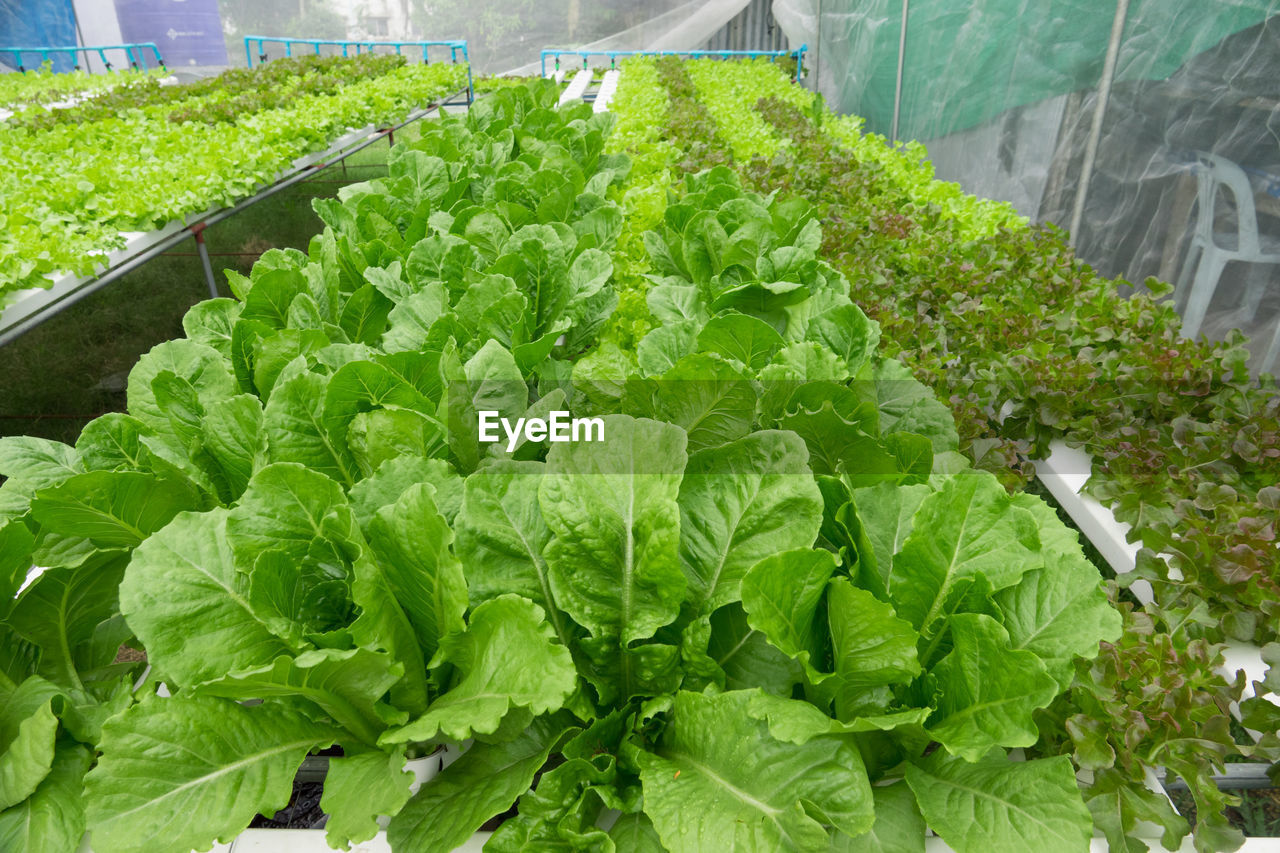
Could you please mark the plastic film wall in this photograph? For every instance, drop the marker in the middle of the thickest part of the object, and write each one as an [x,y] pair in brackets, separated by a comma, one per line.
[1004,93]
[503,35]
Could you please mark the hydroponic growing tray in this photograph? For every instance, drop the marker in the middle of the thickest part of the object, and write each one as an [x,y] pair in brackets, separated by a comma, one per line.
[34,306]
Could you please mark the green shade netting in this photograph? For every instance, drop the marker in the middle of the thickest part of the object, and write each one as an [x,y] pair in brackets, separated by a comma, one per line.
[966,62]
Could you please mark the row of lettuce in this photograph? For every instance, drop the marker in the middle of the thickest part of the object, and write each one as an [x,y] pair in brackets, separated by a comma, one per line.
[975,303]
[1029,345]
[42,86]
[774,608]
[223,97]
[139,156]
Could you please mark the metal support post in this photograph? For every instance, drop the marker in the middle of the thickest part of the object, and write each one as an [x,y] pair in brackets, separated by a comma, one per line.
[897,91]
[817,56]
[1095,130]
[197,231]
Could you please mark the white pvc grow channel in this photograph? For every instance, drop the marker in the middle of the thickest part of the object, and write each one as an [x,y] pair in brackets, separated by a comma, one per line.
[608,88]
[1064,473]
[577,87]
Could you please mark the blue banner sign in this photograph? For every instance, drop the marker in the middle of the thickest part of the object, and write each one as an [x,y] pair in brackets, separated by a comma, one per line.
[34,23]
[189,32]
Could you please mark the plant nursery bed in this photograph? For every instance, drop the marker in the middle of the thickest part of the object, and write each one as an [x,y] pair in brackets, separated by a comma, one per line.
[1064,473]
[206,143]
[31,307]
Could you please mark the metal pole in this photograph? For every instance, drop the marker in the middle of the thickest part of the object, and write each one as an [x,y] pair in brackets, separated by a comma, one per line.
[79,34]
[1095,130]
[817,52]
[897,89]
[197,231]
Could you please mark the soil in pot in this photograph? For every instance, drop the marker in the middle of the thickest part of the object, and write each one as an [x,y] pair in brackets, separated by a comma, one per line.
[303,811]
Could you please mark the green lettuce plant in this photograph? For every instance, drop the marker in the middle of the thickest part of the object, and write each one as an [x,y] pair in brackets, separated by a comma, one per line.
[179,164]
[1010,328]
[773,608]
[39,86]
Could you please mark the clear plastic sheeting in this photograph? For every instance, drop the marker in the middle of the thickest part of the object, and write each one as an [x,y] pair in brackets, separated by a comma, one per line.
[1005,95]
[754,28]
[687,26]
[502,36]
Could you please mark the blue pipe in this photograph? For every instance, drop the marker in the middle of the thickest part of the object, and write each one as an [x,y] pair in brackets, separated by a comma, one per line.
[134,60]
[613,55]
[453,44]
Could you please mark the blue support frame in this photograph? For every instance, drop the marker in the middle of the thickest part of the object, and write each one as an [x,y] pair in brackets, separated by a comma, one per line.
[135,53]
[613,55]
[456,47]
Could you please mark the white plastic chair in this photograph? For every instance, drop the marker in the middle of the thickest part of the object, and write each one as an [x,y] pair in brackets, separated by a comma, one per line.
[1215,249]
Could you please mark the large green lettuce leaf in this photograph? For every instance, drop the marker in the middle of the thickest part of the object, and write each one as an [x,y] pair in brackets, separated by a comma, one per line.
[966,533]
[294,423]
[996,804]
[898,828]
[718,780]
[344,685]
[506,659]
[412,540]
[1060,611]
[569,803]
[26,746]
[502,536]
[782,595]
[740,503]
[745,655]
[63,612]
[52,819]
[872,648]
[112,508]
[483,782]
[987,690]
[165,760]
[611,507]
[359,786]
[189,604]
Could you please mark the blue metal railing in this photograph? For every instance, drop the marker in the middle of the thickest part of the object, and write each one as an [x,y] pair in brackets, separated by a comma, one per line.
[455,46]
[613,55]
[135,53]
